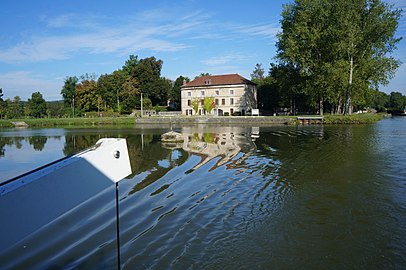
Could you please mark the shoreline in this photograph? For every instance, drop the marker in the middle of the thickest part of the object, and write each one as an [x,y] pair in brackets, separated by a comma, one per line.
[193,120]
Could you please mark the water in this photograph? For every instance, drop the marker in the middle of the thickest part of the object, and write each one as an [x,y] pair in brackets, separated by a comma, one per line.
[285,197]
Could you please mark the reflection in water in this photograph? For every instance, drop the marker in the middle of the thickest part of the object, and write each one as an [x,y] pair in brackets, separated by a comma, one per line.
[226,144]
[241,197]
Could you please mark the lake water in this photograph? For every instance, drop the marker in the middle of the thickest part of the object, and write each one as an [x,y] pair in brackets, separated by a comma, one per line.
[242,197]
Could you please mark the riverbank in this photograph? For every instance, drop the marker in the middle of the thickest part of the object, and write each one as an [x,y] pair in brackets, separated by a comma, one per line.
[129,121]
[70,122]
[264,120]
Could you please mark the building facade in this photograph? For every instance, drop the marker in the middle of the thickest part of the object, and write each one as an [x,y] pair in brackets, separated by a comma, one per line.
[232,94]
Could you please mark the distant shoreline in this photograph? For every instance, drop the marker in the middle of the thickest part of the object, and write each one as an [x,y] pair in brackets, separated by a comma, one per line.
[189,120]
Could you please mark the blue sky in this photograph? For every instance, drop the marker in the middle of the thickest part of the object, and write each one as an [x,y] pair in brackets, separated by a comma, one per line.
[43,42]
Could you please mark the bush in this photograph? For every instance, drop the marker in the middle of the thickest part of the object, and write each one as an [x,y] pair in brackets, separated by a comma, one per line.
[226,114]
[101,114]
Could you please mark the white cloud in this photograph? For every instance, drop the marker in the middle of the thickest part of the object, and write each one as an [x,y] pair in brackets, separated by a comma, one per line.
[225,59]
[129,36]
[24,83]
[268,30]
[60,21]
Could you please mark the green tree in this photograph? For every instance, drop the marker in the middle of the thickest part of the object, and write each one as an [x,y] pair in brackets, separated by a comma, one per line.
[258,73]
[68,92]
[130,64]
[342,48]
[37,107]
[195,104]
[55,109]
[380,101]
[174,94]
[15,108]
[87,97]
[2,104]
[148,74]
[129,95]
[396,101]
[208,104]
[203,74]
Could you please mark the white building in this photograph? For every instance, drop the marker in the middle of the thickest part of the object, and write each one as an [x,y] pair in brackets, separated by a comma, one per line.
[232,94]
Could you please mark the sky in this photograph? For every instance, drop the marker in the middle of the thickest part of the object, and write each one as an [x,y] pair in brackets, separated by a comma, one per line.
[43,42]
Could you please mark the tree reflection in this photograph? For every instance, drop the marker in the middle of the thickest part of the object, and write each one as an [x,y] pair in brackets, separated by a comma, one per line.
[10,141]
[37,142]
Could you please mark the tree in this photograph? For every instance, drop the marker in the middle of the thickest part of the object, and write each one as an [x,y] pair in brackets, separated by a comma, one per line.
[15,108]
[37,106]
[203,74]
[108,88]
[342,48]
[2,104]
[258,73]
[396,101]
[148,74]
[208,104]
[86,95]
[68,92]
[129,95]
[195,104]
[130,64]
[174,94]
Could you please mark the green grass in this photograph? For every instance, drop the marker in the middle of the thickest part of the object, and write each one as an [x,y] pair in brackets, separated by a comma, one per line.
[365,118]
[122,121]
[67,122]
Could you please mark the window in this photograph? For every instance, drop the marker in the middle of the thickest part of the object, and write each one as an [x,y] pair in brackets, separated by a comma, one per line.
[217,92]
[189,102]
[223,101]
[202,102]
[189,94]
[231,92]
[216,101]
[202,93]
[231,101]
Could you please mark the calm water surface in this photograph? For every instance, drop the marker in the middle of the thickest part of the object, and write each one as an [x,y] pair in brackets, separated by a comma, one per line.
[307,197]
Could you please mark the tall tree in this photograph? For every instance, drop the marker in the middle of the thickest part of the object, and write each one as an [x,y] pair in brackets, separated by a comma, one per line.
[2,104]
[258,73]
[174,94]
[68,92]
[148,75]
[87,97]
[342,48]
[129,95]
[15,108]
[37,105]
[397,101]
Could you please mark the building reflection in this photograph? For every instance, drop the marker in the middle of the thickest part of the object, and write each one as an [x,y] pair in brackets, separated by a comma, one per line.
[231,145]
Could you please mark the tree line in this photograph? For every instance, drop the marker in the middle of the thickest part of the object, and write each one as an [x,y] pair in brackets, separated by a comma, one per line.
[109,94]
[121,91]
[274,90]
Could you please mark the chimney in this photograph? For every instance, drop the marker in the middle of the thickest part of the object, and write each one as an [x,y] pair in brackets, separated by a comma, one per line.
[184,82]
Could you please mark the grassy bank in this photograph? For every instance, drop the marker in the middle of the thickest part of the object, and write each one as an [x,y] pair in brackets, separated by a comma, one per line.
[94,122]
[365,118]
[67,122]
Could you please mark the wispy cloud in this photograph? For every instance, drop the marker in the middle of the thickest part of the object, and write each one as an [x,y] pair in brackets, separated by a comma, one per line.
[60,21]
[95,38]
[268,30]
[225,59]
